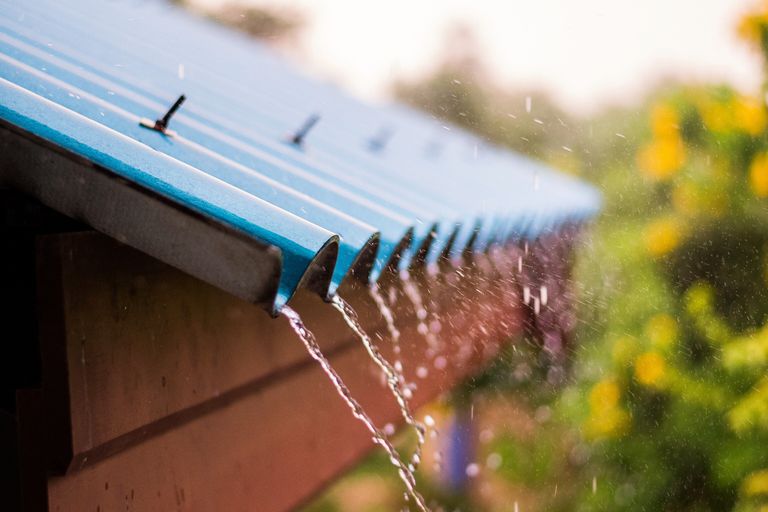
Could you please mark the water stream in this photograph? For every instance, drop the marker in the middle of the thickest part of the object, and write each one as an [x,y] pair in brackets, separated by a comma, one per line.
[403,470]
[414,295]
[393,377]
[389,318]
[394,332]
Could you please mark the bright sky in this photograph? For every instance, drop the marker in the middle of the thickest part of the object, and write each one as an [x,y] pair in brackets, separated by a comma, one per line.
[584,52]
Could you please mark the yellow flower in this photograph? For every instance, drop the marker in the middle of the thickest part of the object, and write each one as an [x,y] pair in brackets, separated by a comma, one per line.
[758,175]
[650,369]
[604,395]
[664,121]
[756,483]
[752,26]
[662,236]
[750,115]
[749,28]
[715,115]
[662,158]
[606,418]
[665,154]
[611,423]
[661,330]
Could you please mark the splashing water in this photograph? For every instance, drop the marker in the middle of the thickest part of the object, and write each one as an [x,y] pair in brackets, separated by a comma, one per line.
[393,377]
[306,336]
[394,332]
[386,312]
[414,295]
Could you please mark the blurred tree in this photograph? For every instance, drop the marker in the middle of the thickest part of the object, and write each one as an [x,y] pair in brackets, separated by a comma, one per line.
[459,91]
[688,363]
[260,22]
[272,24]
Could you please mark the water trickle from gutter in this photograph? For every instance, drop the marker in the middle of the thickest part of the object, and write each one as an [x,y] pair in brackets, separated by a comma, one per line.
[403,470]
[393,377]
[389,318]
[414,295]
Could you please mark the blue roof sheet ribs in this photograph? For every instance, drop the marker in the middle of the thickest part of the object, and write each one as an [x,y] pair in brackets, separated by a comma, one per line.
[424,198]
[299,240]
[355,234]
[118,88]
[320,184]
[359,192]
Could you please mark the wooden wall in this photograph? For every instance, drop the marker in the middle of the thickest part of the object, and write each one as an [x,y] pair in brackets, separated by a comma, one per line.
[160,392]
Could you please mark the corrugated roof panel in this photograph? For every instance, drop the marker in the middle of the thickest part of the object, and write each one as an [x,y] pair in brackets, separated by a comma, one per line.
[82,74]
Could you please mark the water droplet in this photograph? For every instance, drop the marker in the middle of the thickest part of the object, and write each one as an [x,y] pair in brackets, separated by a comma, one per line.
[543,414]
[486,435]
[493,461]
[472,470]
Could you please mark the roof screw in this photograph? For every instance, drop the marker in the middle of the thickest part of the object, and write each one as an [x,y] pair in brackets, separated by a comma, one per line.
[379,141]
[161,125]
[297,139]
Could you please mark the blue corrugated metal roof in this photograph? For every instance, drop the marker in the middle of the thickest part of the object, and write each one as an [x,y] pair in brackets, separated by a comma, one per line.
[81,75]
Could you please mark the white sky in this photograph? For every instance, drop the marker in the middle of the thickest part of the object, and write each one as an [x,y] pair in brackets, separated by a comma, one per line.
[584,52]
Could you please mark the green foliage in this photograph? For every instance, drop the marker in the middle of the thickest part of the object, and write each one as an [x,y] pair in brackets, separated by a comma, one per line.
[529,464]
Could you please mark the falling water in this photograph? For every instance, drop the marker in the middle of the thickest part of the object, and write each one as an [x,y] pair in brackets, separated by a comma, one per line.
[393,377]
[414,295]
[386,312]
[394,332]
[306,336]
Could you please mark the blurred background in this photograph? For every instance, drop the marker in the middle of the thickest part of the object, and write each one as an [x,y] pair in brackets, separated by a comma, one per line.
[662,105]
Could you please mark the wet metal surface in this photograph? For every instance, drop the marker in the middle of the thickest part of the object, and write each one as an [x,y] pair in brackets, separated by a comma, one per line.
[258,150]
